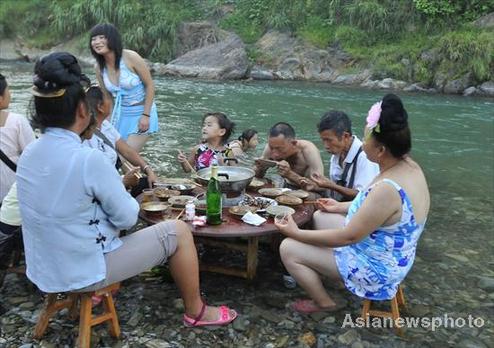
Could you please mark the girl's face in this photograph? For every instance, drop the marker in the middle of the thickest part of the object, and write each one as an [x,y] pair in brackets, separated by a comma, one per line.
[99,44]
[253,142]
[104,108]
[211,129]
[5,99]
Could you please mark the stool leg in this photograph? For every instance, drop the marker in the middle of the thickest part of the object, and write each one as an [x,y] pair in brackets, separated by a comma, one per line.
[85,321]
[365,309]
[401,297]
[252,251]
[109,306]
[45,316]
[395,314]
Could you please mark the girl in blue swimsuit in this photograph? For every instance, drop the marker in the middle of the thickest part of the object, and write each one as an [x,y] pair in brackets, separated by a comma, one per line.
[372,249]
[124,74]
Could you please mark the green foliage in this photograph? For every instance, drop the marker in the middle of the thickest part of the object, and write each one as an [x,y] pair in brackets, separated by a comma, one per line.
[469,50]
[248,30]
[23,18]
[349,36]
[317,31]
[466,10]
[153,37]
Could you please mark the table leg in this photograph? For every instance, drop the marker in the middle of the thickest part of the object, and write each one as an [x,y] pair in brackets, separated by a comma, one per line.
[252,249]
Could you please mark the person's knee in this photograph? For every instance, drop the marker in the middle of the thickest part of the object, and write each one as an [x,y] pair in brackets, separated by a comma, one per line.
[287,248]
[183,231]
[317,220]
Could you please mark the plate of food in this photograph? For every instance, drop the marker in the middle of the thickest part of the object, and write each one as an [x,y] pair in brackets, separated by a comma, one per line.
[181,201]
[163,193]
[271,192]
[289,200]
[299,193]
[280,209]
[156,209]
[240,210]
[257,183]
[261,203]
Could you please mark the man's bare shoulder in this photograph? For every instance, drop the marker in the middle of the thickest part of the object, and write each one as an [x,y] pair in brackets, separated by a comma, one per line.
[307,146]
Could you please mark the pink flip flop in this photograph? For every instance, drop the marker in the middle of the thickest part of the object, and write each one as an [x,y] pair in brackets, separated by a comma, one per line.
[307,306]
[227,315]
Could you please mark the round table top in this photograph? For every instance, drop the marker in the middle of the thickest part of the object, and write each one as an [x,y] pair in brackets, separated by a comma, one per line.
[233,226]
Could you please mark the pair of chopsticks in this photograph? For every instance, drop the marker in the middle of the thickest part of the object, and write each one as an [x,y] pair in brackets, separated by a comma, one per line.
[310,202]
[128,167]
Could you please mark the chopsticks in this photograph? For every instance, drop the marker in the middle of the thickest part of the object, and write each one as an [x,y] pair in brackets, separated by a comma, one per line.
[180,214]
[309,202]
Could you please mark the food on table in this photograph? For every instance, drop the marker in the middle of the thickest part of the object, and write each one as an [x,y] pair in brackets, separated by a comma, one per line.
[289,200]
[271,192]
[279,210]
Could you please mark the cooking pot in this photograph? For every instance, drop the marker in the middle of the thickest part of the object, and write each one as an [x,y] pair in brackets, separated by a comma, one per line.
[232,179]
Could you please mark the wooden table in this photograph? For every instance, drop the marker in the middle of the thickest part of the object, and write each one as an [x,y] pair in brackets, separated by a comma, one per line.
[231,228]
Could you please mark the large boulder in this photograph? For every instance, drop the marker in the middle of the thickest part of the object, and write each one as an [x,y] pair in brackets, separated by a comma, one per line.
[457,86]
[193,35]
[288,58]
[486,21]
[487,88]
[224,60]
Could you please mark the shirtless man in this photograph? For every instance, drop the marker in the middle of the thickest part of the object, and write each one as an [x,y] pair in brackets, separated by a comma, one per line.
[295,158]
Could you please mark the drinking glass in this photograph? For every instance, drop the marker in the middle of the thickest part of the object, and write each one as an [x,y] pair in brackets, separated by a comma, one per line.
[281,219]
[148,196]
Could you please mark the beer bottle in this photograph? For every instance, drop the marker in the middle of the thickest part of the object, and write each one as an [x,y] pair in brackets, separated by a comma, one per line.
[213,197]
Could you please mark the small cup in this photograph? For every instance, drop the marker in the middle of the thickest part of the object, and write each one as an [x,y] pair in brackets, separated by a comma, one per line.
[148,196]
[281,219]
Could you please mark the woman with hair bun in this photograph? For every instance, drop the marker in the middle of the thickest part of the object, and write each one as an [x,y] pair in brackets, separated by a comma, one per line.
[73,206]
[124,74]
[372,249]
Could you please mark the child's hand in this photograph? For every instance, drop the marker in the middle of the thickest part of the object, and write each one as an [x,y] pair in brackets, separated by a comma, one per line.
[181,157]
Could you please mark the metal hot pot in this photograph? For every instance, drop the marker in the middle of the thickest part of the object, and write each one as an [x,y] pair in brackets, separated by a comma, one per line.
[232,179]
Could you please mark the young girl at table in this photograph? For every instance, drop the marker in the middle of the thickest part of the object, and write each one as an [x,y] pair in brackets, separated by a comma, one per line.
[216,130]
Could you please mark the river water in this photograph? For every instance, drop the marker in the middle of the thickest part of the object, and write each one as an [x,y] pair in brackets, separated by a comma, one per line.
[452,141]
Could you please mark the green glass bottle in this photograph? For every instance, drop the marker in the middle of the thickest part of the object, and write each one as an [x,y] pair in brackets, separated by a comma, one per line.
[213,198]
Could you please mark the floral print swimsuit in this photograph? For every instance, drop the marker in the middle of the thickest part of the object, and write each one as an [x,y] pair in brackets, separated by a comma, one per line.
[374,267]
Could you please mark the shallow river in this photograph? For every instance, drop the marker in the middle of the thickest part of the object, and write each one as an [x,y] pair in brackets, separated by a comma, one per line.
[452,141]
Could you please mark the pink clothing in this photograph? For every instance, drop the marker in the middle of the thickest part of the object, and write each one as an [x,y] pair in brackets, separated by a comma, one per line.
[15,135]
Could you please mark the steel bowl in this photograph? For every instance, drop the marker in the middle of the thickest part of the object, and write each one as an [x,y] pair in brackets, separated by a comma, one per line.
[232,179]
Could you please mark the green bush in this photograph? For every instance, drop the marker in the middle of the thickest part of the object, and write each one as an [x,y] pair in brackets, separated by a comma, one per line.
[469,50]
[317,31]
[249,30]
[350,37]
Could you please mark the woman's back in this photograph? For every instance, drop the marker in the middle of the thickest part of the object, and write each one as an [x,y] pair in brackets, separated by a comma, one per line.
[410,177]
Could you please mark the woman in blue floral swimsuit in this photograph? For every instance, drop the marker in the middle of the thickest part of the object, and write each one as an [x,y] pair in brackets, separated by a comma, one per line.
[373,248]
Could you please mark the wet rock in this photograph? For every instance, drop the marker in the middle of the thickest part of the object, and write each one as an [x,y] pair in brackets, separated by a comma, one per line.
[225,60]
[486,283]
[157,343]
[26,305]
[281,341]
[486,21]
[241,324]
[257,73]
[418,310]
[348,337]
[457,257]
[308,338]
[487,88]
[135,318]
[457,86]
[471,342]
[470,91]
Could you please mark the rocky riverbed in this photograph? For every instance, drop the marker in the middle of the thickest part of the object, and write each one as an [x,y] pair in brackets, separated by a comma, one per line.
[150,309]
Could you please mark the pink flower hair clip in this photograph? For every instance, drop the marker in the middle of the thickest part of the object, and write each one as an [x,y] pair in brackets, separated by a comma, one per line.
[373,117]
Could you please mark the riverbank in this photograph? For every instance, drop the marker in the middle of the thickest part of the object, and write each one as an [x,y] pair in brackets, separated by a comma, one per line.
[414,46]
[150,309]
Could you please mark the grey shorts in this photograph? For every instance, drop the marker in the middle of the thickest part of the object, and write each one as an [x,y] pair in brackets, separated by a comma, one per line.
[140,252]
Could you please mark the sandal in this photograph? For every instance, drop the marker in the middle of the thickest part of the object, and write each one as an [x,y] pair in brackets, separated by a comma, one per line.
[307,306]
[227,315]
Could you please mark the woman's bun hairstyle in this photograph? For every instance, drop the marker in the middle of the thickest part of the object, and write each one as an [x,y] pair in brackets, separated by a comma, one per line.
[393,123]
[56,71]
[58,89]
[393,115]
